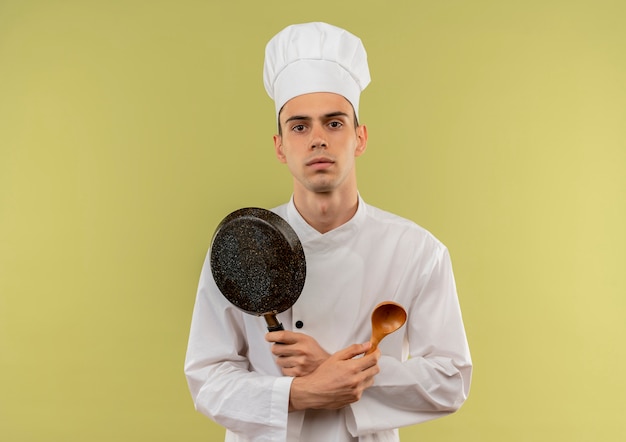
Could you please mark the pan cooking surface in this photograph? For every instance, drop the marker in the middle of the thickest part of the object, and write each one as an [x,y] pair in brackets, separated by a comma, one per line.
[257,261]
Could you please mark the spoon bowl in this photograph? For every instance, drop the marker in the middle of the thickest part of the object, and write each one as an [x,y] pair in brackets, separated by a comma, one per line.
[387,317]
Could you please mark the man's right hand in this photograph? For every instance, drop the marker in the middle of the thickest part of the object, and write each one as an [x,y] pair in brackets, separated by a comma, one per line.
[297,354]
[337,382]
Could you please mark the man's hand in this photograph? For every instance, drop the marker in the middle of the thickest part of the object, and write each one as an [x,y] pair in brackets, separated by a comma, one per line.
[340,380]
[296,354]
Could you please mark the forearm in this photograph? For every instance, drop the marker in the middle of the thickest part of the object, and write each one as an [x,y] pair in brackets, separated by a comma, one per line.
[224,389]
[411,392]
[231,375]
[244,402]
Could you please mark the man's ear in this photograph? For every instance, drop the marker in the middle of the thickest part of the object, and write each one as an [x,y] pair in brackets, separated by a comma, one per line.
[361,135]
[278,148]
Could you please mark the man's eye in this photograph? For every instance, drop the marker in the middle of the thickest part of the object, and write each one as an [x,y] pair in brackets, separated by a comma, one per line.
[335,124]
[298,128]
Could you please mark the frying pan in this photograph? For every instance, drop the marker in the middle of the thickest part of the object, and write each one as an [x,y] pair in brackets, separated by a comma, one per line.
[258,263]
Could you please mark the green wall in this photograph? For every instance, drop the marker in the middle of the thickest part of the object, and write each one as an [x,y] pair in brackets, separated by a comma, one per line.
[128,129]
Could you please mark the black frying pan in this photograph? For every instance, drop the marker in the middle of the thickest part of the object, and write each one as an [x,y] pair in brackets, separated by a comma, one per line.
[258,263]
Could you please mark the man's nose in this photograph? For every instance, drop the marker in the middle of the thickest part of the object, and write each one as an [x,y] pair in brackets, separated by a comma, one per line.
[318,138]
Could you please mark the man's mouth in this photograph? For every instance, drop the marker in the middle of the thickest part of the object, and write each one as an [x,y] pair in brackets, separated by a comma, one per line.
[320,161]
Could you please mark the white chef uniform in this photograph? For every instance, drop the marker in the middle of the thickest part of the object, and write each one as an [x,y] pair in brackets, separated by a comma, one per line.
[374,257]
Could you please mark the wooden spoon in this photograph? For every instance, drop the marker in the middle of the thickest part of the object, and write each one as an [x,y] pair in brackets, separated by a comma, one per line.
[387,317]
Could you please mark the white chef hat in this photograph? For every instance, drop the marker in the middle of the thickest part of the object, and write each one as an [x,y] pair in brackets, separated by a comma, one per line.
[315,57]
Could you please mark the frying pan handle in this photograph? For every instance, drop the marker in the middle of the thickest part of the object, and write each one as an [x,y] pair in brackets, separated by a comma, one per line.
[272,322]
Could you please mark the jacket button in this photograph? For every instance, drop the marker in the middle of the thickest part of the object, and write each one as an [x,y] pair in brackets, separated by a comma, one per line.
[299,324]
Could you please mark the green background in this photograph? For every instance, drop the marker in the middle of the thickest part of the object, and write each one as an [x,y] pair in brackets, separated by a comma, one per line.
[129,129]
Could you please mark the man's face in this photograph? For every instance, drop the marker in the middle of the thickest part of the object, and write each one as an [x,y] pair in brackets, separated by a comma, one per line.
[319,142]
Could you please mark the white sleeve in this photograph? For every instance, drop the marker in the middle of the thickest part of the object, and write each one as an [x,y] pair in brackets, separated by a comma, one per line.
[435,380]
[222,382]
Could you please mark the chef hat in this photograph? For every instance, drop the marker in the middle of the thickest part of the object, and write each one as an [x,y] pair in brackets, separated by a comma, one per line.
[315,57]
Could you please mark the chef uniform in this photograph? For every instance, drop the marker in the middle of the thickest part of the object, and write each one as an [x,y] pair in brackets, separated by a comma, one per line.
[425,367]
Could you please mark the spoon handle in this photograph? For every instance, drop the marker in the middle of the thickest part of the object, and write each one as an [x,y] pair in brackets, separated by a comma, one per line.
[373,347]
